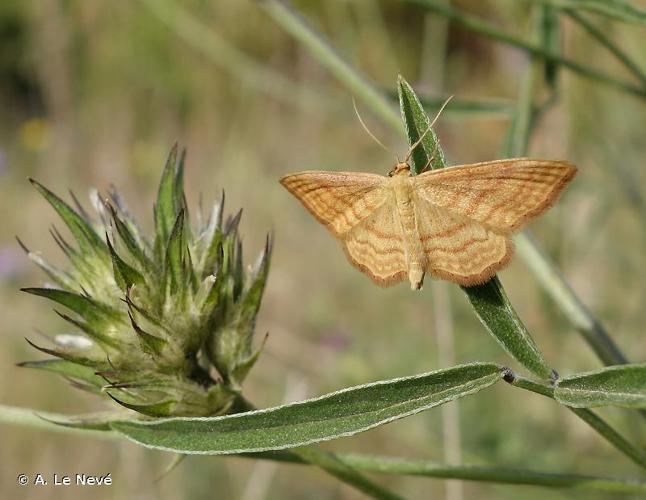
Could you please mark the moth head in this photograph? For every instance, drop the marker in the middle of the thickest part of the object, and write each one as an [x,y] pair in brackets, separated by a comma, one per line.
[400,168]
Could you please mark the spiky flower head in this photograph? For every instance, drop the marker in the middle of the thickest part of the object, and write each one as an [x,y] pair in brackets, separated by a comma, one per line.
[162,326]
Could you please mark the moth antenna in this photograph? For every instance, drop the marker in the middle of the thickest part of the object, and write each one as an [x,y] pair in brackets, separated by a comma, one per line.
[365,127]
[418,141]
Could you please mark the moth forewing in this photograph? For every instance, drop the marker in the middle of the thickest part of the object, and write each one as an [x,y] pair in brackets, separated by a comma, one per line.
[502,194]
[339,200]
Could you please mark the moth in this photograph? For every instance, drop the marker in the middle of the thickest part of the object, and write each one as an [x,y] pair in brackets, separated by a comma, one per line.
[453,223]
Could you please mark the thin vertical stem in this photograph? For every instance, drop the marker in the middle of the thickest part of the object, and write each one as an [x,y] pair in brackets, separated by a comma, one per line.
[443,319]
[339,469]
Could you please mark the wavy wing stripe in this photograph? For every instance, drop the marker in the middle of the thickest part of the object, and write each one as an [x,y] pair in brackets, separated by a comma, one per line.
[376,247]
[502,194]
[459,249]
[339,200]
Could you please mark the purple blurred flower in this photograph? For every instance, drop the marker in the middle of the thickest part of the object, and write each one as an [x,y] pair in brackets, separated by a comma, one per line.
[3,161]
[335,340]
[12,262]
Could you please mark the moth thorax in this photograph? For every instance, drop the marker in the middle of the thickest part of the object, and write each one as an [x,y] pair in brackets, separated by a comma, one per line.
[401,168]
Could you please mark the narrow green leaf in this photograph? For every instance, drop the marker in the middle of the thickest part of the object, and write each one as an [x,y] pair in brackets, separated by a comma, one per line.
[61,278]
[66,368]
[86,237]
[85,307]
[65,355]
[150,343]
[161,409]
[621,385]
[165,206]
[211,252]
[124,274]
[489,299]
[501,320]
[251,301]
[417,122]
[175,252]
[98,337]
[99,421]
[334,415]
[131,243]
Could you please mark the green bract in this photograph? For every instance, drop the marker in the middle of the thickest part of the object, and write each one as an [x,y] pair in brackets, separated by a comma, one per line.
[162,326]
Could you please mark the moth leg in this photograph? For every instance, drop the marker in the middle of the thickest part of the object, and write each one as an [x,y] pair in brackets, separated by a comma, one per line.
[428,163]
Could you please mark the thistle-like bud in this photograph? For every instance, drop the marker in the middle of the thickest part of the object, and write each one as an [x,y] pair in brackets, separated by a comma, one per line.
[163,327]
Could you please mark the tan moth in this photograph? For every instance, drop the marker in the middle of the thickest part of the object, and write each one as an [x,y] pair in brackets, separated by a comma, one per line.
[453,223]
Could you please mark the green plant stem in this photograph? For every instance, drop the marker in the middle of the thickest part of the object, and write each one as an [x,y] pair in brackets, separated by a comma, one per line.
[615,9]
[343,471]
[478,26]
[382,464]
[474,107]
[637,455]
[358,84]
[555,285]
[607,43]
[480,473]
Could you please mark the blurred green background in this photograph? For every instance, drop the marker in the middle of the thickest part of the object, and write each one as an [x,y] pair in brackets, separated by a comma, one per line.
[95,92]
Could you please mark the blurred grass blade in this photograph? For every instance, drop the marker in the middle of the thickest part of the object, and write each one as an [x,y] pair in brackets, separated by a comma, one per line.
[623,385]
[471,107]
[481,27]
[550,40]
[612,47]
[555,285]
[334,415]
[219,51]
[468,472]
[489,299]
[621,10]
[358,84]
